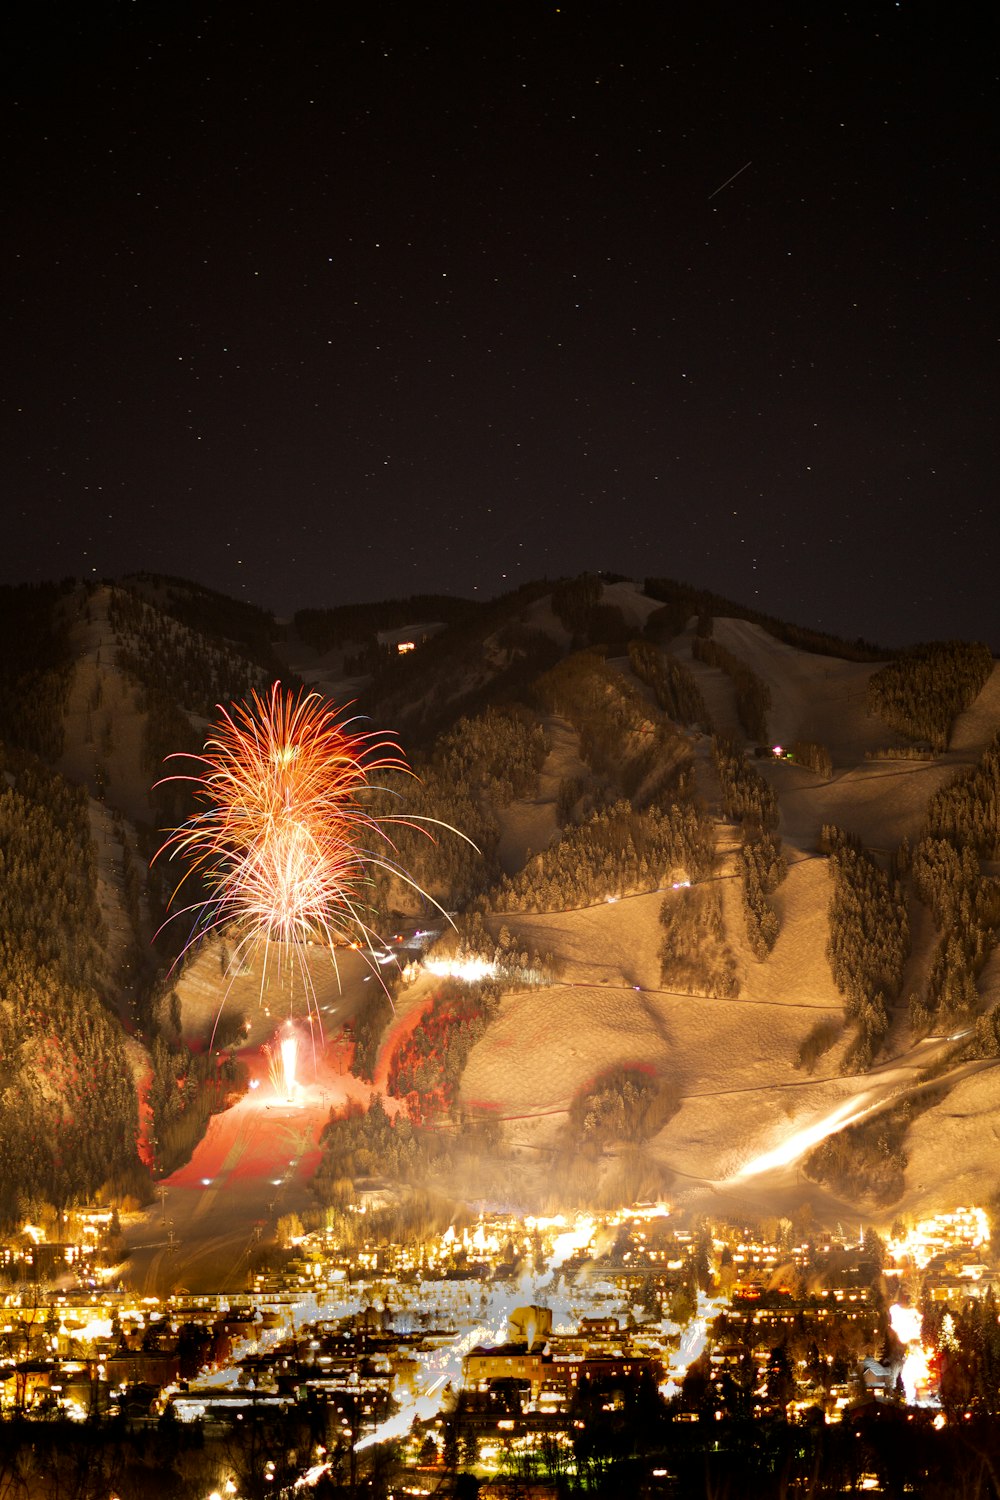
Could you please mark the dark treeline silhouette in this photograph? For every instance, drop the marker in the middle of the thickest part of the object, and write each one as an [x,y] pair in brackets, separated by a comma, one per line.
[969,1354]
[157,649]
[580,608]
[60,1458]
[35,665]
[178,673]
[753,696]
[813,756]
[746,796]
[356,624]
[212,614]
[626,741]
[922,693]
[617,852]
[673,684]
[682,602]
[488,658]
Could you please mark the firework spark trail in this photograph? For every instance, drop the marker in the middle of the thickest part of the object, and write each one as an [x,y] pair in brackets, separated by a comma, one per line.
[288,834]
[282,1055]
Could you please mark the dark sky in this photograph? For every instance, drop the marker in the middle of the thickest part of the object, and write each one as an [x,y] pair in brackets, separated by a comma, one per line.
[447,297]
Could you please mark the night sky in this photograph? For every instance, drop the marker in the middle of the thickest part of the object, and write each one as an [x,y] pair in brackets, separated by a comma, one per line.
[448,297]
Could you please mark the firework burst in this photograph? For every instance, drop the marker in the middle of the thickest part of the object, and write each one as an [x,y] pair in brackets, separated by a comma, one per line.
[288,835]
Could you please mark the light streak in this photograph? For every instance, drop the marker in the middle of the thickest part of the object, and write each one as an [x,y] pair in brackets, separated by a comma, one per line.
[282,1056]
[800,1142]
[730,179]
[289,1049]
[469,969]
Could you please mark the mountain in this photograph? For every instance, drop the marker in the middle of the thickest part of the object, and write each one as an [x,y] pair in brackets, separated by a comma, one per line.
[743,976]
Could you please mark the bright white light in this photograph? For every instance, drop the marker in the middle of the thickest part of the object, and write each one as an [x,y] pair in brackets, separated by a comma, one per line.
[906,1325]
[469,969]
[801,1140]
[289,1053]
[565,1245]
[906,1322]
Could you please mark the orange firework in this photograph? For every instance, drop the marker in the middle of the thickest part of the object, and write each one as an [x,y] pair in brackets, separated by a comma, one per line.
[287,832]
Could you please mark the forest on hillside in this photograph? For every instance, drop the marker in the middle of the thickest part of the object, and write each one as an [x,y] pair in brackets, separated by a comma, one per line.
[68,1111]
[478,708]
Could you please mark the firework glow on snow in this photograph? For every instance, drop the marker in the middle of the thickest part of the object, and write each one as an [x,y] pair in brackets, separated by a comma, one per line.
[288,835]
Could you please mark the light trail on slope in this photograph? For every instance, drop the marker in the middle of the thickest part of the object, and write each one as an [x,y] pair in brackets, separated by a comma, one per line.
[801,1141]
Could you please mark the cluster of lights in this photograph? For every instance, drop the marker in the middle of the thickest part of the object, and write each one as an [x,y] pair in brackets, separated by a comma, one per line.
[969,1227]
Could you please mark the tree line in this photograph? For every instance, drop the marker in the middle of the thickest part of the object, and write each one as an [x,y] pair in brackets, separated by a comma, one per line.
[355,624]
[922,693]
[426,1068]
[628,1106]
[869,940]
[673,684]
[68,1109]
[753,696]
[746,796]
[617,852]
[681,602]
[962,826]
[761,862]
[866,1162]
[695,957]
[209,613]
[579,605]
[35,665]
[161,652]
[622,738]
